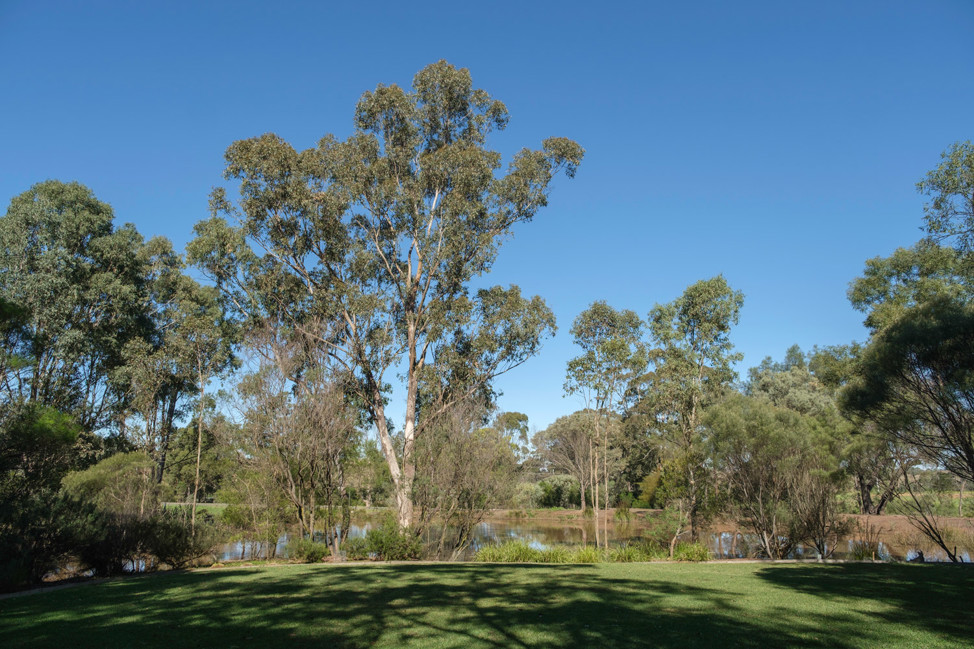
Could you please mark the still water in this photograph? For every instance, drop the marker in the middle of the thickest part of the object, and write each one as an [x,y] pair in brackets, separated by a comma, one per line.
[885,542]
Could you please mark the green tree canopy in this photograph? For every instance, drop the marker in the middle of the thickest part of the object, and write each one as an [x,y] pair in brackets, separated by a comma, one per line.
[950,212]
[83,287]
[909,277]
[692,365]
[916,381]
[368,246]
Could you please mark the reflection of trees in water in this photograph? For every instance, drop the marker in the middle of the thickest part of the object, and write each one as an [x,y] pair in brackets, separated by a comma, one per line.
[723,543]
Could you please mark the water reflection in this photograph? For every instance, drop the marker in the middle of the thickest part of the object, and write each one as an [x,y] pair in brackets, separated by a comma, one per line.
[723,543]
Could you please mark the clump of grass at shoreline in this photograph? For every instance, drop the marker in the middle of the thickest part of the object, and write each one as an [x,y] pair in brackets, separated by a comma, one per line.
[521,552]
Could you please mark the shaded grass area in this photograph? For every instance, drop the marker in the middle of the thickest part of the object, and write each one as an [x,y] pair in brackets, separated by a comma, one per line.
[487,605]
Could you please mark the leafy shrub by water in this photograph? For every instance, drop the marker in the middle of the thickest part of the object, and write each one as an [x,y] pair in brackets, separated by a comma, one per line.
[625,554]
[356,549]
[527,495]
[686,551]
[389,543]
[172,539]
[306,550]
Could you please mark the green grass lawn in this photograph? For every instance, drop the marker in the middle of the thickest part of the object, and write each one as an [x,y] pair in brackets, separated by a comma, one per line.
[486,605]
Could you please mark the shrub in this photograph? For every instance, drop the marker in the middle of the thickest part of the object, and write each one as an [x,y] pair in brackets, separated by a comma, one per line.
[356,549]
[686,551]
[171,538]
[559,491]
[521,552]
[389,543]
[622,507]
[647,490]
[110,543]
[625,554]
[527,495]
[306,550]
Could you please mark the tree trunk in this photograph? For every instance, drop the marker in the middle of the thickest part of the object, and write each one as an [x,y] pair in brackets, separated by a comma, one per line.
[166,429]
[581,487]
[593,462]
[865,496]
[199,454]
[605,469]
[402,494]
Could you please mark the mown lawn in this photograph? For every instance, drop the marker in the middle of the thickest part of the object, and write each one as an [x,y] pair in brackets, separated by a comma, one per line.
[485,605]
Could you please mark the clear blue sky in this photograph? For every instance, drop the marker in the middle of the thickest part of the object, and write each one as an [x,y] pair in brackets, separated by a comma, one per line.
[777,143]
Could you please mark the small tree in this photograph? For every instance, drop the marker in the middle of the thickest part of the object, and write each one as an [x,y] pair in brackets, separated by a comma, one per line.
[467,469]
[299,429]
[566,445]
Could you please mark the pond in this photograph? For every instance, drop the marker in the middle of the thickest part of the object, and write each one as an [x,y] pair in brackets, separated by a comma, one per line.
[882,537]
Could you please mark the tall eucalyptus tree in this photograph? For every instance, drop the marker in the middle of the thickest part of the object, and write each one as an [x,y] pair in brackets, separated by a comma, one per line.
[369,246]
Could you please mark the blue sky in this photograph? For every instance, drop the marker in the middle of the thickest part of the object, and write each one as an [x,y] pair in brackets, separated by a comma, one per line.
[777,143]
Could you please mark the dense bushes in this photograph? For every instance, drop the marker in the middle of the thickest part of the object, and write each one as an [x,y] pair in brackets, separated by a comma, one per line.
[306,550]
[560,491]
[389,543]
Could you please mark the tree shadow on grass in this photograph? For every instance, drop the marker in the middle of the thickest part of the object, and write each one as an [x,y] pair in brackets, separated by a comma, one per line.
[423,605]
[934,598]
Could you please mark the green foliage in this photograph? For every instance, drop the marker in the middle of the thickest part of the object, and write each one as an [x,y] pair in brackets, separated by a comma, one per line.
[38,526]
[908,278]
[356,549]
[559,491]
[389,542]
[57,239]
[38,533]
[692,366]
[121,484]
[566,446]
[509,552]
[950,213]
[176,541]
[662,527]
[587,554]
[623,504]
[521,552]
[527,495]
[387,229]
[613,355]
[778,481]
[686,551]
[916,381]
[256,510]
[306,550]
[647,490]
[627,553]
